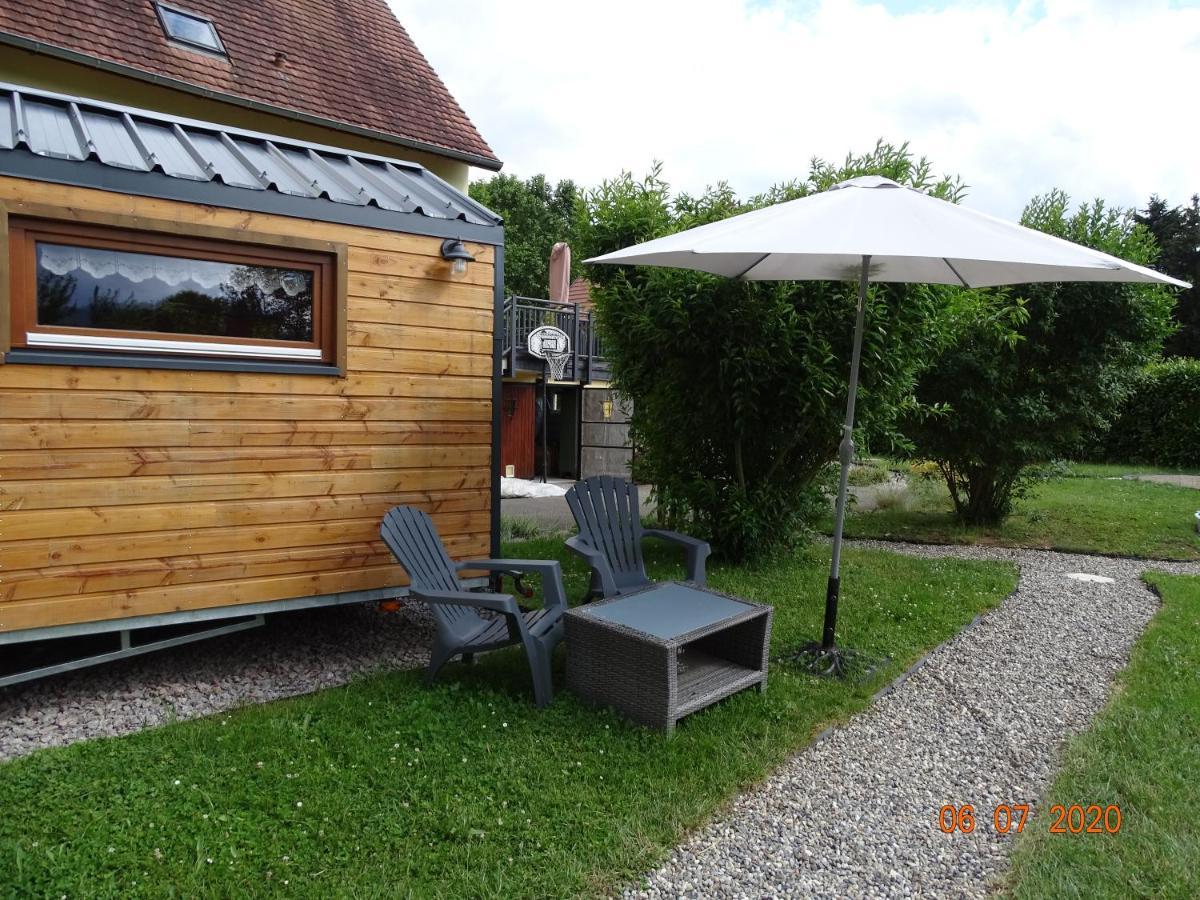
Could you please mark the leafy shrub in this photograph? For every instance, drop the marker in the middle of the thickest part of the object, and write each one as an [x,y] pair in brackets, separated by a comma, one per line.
[1159,423]
[865,474]
[1054,470]
[1079,346]
[923,470]
[739,387]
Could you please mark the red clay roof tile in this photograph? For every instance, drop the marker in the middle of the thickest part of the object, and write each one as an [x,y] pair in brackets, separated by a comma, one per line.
[580,293]
[349,61]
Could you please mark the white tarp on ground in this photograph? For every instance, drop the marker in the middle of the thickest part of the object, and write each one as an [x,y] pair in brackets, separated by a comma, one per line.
[511,488]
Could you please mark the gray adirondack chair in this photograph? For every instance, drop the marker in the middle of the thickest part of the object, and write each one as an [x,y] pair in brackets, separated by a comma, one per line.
[413,538]
[606,510]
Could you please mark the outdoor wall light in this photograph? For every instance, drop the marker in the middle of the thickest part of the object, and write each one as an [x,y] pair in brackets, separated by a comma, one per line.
[453,250]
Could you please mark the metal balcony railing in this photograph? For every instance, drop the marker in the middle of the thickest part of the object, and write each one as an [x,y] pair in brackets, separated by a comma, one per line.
[523,314]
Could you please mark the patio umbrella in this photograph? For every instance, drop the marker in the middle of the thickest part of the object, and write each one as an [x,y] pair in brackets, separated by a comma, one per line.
[872,229]
[560,272]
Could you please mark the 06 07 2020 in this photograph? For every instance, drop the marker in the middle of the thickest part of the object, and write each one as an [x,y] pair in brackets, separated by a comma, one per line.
[1012,818]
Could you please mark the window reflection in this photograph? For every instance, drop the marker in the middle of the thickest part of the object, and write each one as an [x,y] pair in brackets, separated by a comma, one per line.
[189,28]
[86,287]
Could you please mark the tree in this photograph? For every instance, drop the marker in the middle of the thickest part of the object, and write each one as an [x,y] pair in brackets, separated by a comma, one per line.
[536,216]
[1006,404]
[738,387]
[1177,233]
[55,298]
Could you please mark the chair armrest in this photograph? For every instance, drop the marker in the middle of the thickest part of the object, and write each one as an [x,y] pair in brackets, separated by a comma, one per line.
[501,603]
[599,563]
[549,569]
[697,551]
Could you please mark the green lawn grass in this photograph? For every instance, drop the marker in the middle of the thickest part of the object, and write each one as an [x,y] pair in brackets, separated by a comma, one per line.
[385,788]
[1095,511]
[1143,755]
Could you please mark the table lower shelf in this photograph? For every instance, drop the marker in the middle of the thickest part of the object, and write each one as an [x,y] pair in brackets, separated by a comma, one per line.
[704,679]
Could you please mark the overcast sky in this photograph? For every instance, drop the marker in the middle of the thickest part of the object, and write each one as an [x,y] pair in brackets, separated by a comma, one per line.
[1098,98]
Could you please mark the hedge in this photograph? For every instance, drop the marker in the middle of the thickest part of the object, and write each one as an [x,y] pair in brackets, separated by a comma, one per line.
[1160,421]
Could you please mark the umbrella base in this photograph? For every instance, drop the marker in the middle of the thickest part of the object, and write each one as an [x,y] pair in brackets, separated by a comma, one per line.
[834,662]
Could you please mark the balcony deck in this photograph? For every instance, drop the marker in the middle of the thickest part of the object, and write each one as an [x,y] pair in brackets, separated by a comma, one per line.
[522,315]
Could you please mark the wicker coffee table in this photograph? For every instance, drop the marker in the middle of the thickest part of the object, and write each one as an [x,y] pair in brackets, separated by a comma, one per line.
[666,651]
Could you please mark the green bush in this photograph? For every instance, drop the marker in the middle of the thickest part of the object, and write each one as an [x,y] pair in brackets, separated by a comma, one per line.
[1159,423]
[739,387]
[1078,347]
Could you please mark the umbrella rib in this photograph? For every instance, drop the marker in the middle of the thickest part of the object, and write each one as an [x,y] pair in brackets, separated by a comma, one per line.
[955,271]
[742,274]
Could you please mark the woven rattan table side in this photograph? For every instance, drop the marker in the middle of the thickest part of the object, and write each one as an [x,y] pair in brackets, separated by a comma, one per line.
[657,681]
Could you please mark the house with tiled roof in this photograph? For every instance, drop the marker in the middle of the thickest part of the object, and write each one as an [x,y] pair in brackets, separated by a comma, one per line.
[340,72]
[246,307]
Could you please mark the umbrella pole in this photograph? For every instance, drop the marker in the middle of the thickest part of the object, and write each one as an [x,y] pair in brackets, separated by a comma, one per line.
[847,457]
[824,657]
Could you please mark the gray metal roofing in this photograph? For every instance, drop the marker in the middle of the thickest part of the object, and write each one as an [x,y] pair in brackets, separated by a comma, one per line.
[54,126]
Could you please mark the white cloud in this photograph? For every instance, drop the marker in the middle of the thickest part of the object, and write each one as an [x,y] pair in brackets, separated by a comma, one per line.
[1015,97]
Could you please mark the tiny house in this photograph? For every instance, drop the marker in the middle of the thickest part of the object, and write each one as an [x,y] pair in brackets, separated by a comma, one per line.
[225,354]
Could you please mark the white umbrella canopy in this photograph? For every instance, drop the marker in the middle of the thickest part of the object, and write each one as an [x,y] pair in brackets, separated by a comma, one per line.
[873,229]
[909,236]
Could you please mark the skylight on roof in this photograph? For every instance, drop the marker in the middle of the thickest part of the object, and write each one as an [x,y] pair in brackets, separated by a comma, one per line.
[189,28]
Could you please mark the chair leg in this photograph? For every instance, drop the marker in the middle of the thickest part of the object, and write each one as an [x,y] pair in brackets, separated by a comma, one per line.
[539,669]
[438,657]
[595,589]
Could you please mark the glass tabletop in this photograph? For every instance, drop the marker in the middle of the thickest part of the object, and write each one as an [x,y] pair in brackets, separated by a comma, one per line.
[667,610]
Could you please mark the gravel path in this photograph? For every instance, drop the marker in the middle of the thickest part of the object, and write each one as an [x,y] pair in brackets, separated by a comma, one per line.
[981,722]
[1188,481]
[292,654]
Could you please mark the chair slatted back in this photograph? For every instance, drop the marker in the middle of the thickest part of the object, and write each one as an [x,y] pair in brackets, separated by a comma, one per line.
[606,510]
[413,538]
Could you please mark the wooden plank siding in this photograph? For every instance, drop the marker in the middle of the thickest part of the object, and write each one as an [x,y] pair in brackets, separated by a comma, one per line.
[130,492]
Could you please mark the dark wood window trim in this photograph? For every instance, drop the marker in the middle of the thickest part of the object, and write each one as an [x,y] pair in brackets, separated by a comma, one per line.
[327,260]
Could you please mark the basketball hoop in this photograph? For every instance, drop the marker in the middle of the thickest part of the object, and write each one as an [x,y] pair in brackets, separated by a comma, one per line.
[552,345]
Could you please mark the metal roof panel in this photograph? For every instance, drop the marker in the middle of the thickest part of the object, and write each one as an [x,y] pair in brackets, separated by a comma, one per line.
[114,143]
[224,164]
[49,131]
[73,128]
[170,154]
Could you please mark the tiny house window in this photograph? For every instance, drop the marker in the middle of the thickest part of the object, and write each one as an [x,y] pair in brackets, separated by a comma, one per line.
[83,287]
[192,29]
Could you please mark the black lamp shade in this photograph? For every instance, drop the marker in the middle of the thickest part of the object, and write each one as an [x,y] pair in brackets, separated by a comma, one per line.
[452,249]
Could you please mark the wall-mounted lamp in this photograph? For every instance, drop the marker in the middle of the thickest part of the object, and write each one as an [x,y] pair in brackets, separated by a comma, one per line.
[453,250]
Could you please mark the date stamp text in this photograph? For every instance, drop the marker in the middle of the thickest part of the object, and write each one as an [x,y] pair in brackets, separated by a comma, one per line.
[1012,818]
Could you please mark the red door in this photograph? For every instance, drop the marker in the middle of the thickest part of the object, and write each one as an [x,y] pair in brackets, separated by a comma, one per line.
[516,428]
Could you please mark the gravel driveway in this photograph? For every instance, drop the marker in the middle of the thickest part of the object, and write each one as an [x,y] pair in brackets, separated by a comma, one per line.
[981,722]
[292,654]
